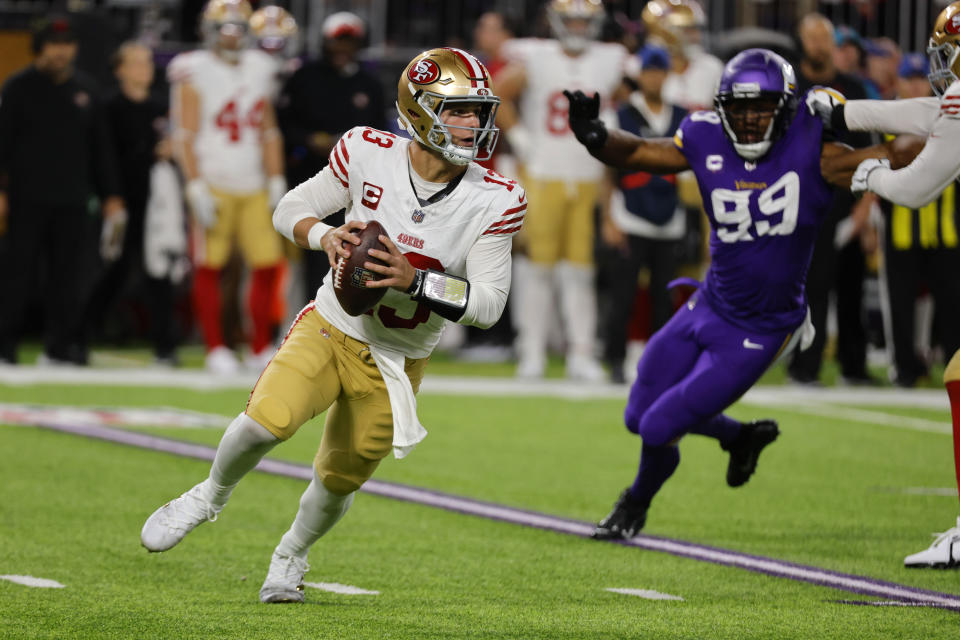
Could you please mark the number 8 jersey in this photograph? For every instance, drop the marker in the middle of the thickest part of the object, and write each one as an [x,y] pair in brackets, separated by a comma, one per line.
[468,233]
[764,218]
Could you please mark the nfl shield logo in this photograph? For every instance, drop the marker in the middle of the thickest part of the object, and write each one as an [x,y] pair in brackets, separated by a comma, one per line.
[417,216]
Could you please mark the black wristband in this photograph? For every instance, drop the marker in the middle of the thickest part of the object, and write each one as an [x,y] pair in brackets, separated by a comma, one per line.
[837,120]
[416,284]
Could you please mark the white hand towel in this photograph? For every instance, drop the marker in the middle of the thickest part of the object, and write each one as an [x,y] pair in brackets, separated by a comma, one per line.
[407,430]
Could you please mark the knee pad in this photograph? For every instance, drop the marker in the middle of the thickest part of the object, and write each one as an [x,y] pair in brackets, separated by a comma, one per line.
[343,472]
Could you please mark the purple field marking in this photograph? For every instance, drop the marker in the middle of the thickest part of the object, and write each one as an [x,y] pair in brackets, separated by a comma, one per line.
[759,564]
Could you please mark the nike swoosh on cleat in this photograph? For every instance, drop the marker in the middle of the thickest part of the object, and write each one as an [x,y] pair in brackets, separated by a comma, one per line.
[751,345]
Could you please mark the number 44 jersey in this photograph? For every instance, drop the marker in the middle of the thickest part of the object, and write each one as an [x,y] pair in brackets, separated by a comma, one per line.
[232,97]
[764,218]
[369,175]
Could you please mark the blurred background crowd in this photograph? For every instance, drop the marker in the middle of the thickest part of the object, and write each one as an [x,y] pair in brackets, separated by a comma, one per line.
[124,221]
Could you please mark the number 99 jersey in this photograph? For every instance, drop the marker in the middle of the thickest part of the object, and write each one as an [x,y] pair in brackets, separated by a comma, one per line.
[228,144]
[764,218]
[372,181]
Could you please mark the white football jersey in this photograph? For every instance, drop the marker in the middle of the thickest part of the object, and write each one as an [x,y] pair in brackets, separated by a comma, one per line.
[554,151]
[371,167]
[695,88]
[232,99]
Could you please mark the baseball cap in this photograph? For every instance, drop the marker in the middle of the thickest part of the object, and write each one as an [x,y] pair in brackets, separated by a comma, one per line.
[846,35]
[653,58]
[55,28]
[343,24]
[913,64]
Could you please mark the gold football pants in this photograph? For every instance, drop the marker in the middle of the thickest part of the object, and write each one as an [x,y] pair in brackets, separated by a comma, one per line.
[317,368]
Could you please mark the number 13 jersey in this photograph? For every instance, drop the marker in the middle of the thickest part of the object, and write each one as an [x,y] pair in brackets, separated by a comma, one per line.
[764,218]
[370,173]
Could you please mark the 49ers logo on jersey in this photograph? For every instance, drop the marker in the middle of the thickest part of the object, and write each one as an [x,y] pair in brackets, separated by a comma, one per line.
[953,25]
[424,72]
[371,195]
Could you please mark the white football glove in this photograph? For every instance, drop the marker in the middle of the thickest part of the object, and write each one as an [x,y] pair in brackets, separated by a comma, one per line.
[202,204]
[111,235]
[821,102]
[858,183]
[276,189]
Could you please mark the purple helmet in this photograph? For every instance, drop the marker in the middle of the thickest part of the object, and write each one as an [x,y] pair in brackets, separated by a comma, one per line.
[754,82]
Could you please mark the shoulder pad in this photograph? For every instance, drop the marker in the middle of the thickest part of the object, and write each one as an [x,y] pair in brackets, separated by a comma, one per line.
[507,213]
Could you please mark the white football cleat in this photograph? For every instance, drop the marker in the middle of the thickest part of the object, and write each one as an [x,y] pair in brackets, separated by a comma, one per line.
[944,553]
[222,361]
[284,581]
[257,362]
[169,524]
[585,369]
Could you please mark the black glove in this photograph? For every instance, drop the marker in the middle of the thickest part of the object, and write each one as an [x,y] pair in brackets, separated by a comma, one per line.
[585,121]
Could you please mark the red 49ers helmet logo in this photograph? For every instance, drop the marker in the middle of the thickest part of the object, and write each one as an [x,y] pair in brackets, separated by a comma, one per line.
[953,25]
[424,72]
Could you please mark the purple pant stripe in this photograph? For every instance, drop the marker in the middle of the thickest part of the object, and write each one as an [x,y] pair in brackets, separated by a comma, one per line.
[769,566]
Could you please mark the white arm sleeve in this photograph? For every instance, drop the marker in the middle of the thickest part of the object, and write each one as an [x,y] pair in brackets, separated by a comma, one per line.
[488,270]
[915,116]
[318,197]
[930,172]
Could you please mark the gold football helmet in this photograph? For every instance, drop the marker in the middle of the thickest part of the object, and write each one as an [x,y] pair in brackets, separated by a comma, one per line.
[670,23]
[944,49]
[224,25]
[439,79]
[575,22]
[275,30]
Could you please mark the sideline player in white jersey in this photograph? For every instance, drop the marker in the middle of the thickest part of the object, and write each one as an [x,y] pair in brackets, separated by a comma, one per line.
[231,154]
[276,33]
[450,224]
[562,179]
[677,26]
[938,120]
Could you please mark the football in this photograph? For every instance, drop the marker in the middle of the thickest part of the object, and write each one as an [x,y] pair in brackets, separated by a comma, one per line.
[350,277]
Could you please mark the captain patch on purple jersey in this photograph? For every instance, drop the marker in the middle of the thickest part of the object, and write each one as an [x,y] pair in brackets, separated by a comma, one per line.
[764,218]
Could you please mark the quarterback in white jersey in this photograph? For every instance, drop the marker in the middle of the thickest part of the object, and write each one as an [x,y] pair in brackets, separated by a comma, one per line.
[230,151]
[562,179]
[938,120]
[449,224]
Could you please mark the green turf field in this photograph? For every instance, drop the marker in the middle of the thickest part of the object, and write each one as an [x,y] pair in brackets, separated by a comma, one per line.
[832,493]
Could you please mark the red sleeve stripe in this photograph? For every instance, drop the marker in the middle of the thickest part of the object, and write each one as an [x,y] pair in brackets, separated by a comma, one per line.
[343,150]
[514,210]
[502,232]
[506,222]
[337,165]
[345,185]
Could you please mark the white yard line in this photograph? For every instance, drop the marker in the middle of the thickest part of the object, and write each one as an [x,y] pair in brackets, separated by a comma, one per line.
[345,589]
[31,581]
[197,379]
[648,594]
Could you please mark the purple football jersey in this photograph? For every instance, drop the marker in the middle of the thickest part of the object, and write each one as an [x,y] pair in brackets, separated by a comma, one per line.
[764,218]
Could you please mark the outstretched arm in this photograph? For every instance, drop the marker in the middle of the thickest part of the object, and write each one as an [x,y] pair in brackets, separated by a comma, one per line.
[915,116]
[618,148]
[838,162]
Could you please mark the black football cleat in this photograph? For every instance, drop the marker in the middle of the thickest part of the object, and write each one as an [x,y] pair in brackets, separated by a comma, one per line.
[624,522]
[745,450]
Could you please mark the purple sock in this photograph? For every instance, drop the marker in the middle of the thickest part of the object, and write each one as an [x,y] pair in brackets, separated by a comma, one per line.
[720,427]
[656,465]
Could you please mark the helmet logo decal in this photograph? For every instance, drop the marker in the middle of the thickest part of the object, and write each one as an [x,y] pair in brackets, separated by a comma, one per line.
[424,72]
[953,25]
[483,92]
